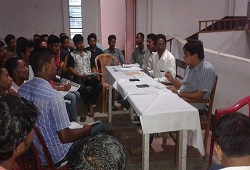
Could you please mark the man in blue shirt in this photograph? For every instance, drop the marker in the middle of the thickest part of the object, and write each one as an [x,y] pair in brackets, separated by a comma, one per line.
[199,77]
[53,121]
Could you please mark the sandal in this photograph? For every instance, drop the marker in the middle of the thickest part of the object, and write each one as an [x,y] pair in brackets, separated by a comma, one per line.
[90,111]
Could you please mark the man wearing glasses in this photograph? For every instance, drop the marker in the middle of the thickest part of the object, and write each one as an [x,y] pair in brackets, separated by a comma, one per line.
[199,76]
[163,60]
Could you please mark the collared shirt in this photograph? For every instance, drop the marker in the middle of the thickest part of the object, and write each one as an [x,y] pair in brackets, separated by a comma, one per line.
[80,62]
[31,73]
[148,61]
[138,57]
[52,118]
[117,53]
[97,51]
[237,168]
[200,78]
[162,65]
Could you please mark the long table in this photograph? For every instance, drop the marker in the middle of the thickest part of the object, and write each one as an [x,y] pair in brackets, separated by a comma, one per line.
[159,109]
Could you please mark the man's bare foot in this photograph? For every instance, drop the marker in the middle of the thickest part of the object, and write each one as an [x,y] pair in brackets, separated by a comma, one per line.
[90,110]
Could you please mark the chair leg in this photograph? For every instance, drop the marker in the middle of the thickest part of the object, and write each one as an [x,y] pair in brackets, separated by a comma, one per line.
[104,100]
[205,140]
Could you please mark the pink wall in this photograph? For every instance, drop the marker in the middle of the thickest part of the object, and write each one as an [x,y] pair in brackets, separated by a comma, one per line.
[113,21]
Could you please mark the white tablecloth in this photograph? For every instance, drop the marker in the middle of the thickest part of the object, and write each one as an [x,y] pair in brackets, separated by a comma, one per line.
[159,109]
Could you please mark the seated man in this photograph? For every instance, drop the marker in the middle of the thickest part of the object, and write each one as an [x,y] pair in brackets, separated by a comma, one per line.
[114,51]
[199,78]
[232,134]
[5,83]
[53,121]
[10,41]
[150,52]
[16,129]
[94,50]
[24,51]
[3,58]
[18,71]
[65,45]
[60,59]
[79,65]
[163,60]
[139,53]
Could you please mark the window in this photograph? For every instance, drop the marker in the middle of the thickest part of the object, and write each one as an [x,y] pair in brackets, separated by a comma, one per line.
[75,17]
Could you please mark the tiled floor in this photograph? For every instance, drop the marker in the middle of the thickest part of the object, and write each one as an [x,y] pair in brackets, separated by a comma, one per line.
[192,163]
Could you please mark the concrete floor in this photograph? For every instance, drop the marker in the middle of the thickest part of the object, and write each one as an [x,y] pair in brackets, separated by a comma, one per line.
[122,120]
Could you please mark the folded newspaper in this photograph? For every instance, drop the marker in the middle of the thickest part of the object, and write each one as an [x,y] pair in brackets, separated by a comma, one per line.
[92,74]
[130,65]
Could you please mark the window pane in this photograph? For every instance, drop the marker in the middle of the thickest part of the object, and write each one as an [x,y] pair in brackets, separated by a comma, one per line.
[75,22]
[75,12]
[75,31]
[74,2]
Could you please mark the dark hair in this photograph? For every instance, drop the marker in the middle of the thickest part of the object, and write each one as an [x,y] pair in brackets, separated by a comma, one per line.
[17,119]
[141,35]
[22,45]
[195,47]
[151,36]
[11,64]
[92,35]
[100,152]
[232,133]
[111,37]
[77,38]
[43,36]
[1,44]
[53,39]
[39,58]
[63,38]
[62,35]
[8,38]
[36,35]
[160,36]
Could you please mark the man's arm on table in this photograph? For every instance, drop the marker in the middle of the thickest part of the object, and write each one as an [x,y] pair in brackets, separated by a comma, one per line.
[171,79]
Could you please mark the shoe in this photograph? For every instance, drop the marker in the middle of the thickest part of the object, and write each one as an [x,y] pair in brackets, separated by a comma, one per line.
[136,119]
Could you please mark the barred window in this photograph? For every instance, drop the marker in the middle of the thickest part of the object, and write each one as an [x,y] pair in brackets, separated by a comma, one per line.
[75,17]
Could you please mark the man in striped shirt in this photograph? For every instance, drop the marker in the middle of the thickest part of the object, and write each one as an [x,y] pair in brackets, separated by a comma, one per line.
[199,76]
[53,121]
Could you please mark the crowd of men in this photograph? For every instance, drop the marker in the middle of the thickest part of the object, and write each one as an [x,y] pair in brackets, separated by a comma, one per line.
[28,69]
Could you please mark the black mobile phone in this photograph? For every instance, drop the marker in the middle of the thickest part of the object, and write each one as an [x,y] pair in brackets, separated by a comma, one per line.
[142,85]
[134,80]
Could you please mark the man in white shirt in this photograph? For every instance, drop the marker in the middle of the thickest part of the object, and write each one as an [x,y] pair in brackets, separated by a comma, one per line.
[163,60]
[150,52]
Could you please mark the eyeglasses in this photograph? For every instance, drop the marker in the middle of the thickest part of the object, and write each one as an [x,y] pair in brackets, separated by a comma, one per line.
[160,45]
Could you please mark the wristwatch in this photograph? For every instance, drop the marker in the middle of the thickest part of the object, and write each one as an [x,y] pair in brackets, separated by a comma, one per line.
[179,93]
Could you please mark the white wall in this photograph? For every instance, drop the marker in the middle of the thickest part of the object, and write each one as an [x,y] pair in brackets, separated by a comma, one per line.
[25,18]
[179,17]
[91,12]
[230,42]
[113,22]
[240,7]
[233,75]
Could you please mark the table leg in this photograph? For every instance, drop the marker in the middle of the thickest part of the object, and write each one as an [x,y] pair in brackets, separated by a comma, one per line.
[182,150]
[110,104]
[131,112]
[145,151]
